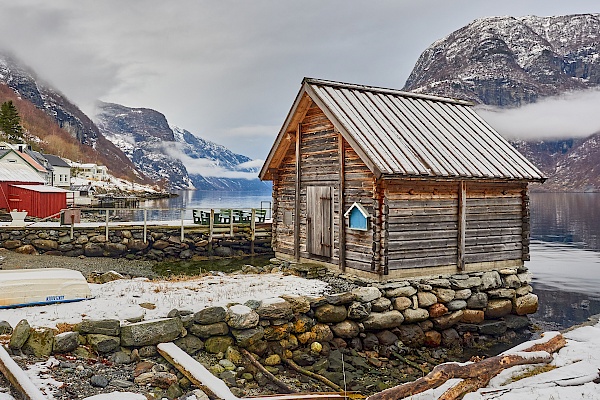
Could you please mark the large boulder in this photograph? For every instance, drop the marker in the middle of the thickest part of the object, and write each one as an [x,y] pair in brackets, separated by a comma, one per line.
[346,329]
[103,343]
[527,304]
[491,280]
[206,331]
[247,337]
[411,335]
[218,344]
[330,313]
[40,342]
[151,332]
[20,335]
[366,294]
[448,320]
[210,315]
[498,308]
[66,342]
[44,244]
[415,315]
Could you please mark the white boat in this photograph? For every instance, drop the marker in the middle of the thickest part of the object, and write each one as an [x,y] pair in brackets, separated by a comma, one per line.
[32,287]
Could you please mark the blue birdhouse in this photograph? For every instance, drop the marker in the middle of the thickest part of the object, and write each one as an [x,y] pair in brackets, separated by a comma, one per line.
[358,217]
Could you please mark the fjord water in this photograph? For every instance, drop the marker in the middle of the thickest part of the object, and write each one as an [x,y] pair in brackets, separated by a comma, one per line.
[565,257]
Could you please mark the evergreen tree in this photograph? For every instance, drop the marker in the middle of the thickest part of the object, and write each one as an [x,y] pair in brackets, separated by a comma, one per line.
[10,121]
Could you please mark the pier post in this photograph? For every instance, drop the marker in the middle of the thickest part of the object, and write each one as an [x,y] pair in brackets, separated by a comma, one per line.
[145,225]
[211,225]
[107,215]
[252,230]
[182,234]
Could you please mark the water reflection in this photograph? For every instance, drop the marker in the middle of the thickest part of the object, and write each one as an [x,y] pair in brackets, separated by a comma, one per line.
[565,257]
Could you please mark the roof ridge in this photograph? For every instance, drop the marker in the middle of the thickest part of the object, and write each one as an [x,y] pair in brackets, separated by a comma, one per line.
[378,89]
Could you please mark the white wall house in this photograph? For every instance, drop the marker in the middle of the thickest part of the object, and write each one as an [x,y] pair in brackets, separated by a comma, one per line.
[61,171]
[91,171]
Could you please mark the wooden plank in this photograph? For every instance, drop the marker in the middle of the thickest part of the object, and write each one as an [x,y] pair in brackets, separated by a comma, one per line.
[422,244]
[421,235]
[493,256]
[406,254]
[422,262]
[475,241]
[415,219]
[427,211]
[359,256]
[297,195]
[496,209]
[341,196]
[17,377]
[421,226]
[462,225]
[494,248]
[493,232]
[496,224]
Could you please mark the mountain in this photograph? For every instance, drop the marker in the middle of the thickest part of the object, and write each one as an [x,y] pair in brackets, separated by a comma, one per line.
[173,155]
[510,61]
[69,118]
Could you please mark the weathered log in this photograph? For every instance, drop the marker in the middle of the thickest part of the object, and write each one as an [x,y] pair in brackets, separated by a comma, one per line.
[269,375]
[311,374]
[475,375]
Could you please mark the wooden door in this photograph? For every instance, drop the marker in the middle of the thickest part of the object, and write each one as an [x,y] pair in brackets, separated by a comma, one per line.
[319,207]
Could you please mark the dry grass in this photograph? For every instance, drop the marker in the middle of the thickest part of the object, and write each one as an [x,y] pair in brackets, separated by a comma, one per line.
[533,372]
[63,327]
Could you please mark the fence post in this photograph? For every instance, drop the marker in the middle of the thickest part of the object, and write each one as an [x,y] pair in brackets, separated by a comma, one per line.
[182,234]
[252,230]
[211,224]
[72,225]
[107,213]
[145,225]
[231,222]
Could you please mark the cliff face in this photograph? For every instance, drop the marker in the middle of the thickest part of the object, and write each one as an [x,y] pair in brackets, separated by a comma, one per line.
[508,61]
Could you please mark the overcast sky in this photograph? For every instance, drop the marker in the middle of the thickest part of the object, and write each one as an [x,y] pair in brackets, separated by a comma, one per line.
[228,71]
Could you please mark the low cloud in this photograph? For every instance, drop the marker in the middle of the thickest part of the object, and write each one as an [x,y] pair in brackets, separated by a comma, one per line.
[251,164]
[574,114]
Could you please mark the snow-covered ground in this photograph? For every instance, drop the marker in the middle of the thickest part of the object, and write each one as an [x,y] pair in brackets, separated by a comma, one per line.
[121,299]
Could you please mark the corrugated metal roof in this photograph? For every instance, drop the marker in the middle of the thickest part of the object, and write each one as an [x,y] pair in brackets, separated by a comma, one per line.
[14,172]
[418,135]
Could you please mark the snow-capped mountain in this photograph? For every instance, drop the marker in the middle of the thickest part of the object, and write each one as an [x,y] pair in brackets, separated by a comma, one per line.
[510,61]
[67,115]
[172,155]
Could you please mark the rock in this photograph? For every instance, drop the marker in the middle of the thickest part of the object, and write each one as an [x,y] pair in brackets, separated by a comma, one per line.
[206,331]
[366,294]
[148,306]
[359,311]
[323,332]
[523,290]
[432,339]
[307,337]
[405,291]
[174,391]
[275,308]
[450,338]
[160,244]
[109,327]
[381,304]
[300,304]
[218,344]
[115,249]
[439,282]
[490,280]
[137,245]
[191,344]
[103,343]
[234,356]
[241,317]
[501,293]
[386,338]
[303,323]
[66,342]
[340,298]
[210,315]
[370,341]
[437,310]
[527,304]
[44,244]
[273,360]
[158,379]
[100,381]
[247,337]
[40,342]
[448,320]
[227,365]
[516,321]
[498,308]
[277,332]
[477,300]
[511,281]
[415,315]
[426,299]
[444,295]
[147,351]
[494,328]
[384,320]
[330,313]
[109,276]
[151,332]
[223,251]
[402,303]
[5,328]
[411,335]
[346,329]
[93,250]
[26,249]
[473,316]
[456,305]
[120,358]
[470,282]
[462,294]
[11,244]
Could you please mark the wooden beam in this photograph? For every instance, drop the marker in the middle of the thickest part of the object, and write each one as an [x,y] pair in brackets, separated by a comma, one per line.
[341,200]
[297,196]
[462,224]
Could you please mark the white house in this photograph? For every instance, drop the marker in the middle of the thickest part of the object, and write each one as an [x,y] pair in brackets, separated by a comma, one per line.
[91,171]
[61,171]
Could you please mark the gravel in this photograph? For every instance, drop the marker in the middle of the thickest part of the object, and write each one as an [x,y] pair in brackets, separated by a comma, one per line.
[86,265]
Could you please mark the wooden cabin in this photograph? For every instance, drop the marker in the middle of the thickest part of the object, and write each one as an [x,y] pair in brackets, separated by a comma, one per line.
[384,183]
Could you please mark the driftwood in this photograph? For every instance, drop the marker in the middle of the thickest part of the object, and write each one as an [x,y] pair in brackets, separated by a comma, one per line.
[475,375]
[269,375]
[311,374]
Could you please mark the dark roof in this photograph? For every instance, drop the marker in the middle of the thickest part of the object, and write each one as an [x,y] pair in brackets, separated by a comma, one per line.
[408,134]
[56,161]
